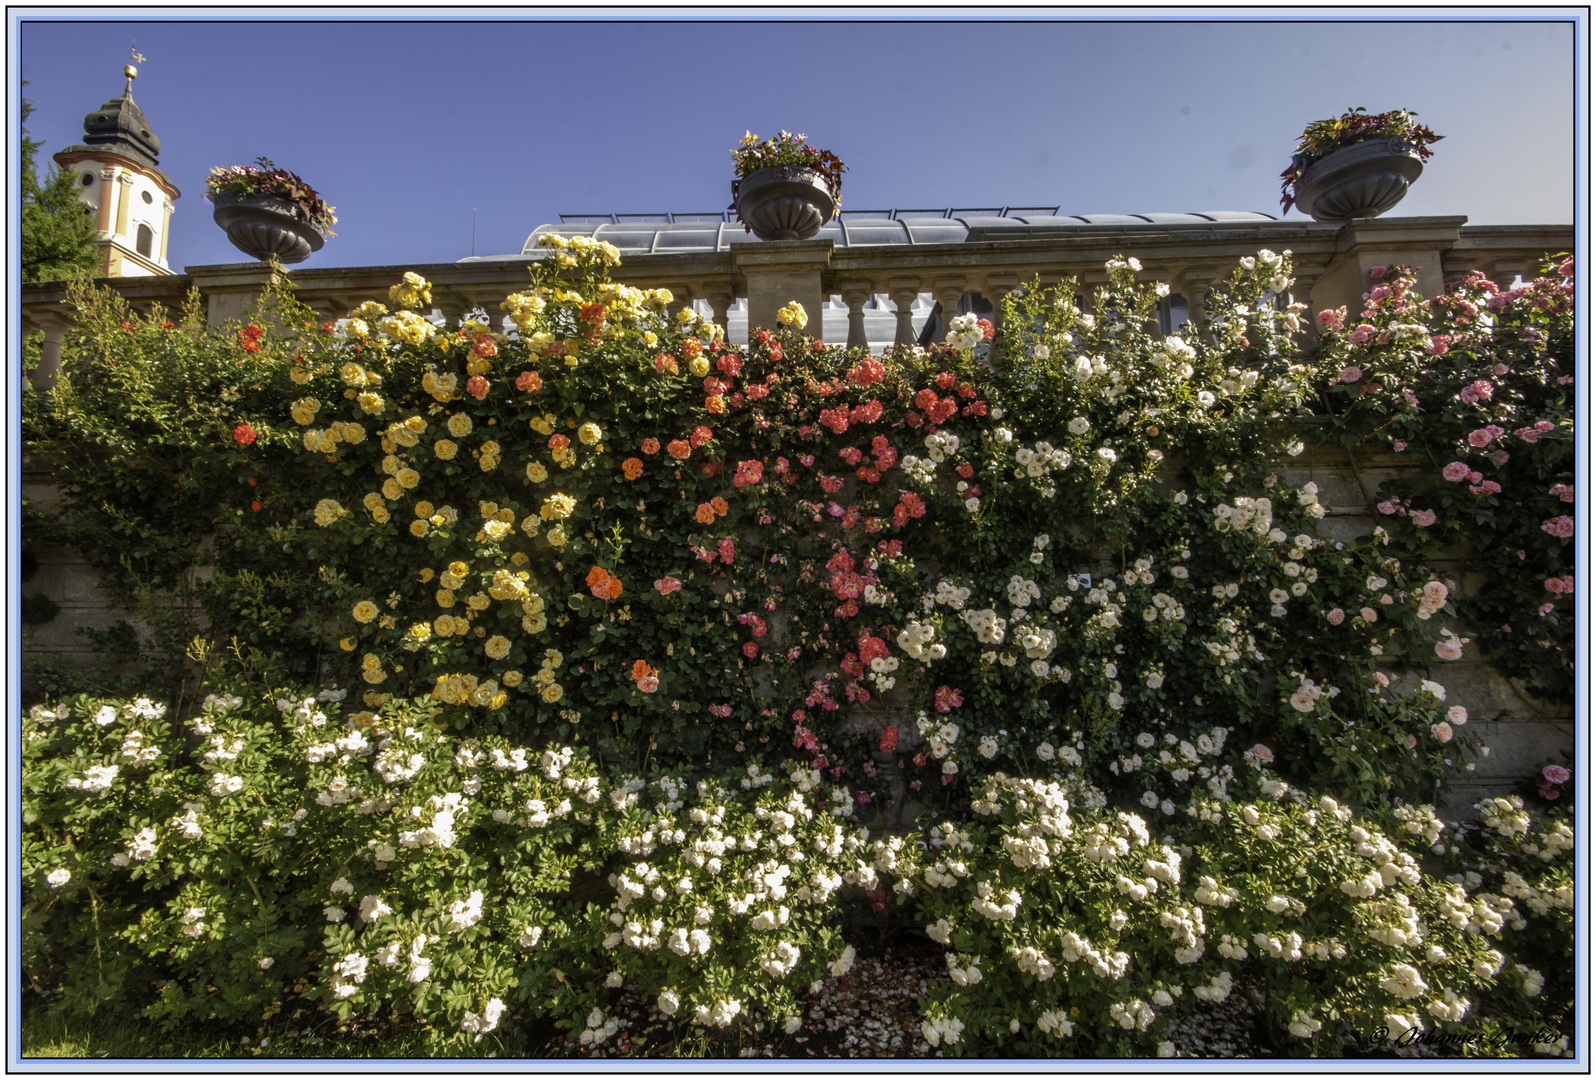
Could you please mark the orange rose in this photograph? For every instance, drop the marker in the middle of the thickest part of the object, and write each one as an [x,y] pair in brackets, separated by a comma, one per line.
[706,514]
[691,348]
[665,362]
[632,468]
[641,670]
[558,442]
[484,345]
[715,404]
[678,449]
[719,505]
[597,576]
[650,446]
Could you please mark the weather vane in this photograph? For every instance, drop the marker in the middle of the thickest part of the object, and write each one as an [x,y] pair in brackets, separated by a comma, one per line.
[138,57]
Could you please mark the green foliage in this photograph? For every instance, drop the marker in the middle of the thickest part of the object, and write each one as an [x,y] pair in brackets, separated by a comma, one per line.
[1063,552]
[57,235]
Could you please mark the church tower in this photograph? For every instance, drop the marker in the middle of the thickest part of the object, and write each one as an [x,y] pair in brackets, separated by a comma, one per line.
[119,181]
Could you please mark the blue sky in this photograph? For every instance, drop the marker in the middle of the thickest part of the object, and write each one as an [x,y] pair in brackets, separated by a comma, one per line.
[408,126]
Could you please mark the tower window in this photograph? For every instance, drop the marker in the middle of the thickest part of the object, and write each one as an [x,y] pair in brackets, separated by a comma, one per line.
[145,241]
[147,197]
[88,179]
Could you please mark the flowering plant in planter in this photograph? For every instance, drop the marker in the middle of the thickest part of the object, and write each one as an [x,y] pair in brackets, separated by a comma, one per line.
[268,179]
[1322,138]
[786,148]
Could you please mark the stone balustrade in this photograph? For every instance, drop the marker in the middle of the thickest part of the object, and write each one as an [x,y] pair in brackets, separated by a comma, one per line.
[1332,269]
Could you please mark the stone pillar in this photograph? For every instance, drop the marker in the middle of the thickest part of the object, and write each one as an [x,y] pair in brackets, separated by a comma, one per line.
[777,272]
[49,370]
[1366,243]
[1503,271]
[996,288]
[856,294]
[680,299]
[949,292]
[720,302]
[123,198]
[904,292]
[229,289]
[166,227]
[108,190]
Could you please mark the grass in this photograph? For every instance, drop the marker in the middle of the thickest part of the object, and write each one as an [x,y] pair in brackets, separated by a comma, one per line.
[50,1034]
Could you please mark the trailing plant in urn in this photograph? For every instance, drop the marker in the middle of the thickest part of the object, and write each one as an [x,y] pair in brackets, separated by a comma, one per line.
[785,189]
[1322,138]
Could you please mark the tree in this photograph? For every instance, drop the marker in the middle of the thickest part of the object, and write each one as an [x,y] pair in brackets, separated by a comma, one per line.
[57,229]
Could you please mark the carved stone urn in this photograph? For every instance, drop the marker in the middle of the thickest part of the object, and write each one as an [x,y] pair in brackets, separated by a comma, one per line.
[264,225]
[1359,181]
[783,202]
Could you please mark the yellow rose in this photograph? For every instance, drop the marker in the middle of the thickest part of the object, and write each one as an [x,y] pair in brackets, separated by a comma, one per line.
[512,678]
[445,598]
[355,329]
[556,537]
[354,434]
[460,425]
[536,473]
[416,424]
[498,700]
[460,625]
[391,489]
[487,463]
[299,374]
[557,507]
[541,425]
[650,338]
[445,450]
[589,433]
[391,464]
[374,675]
[369,402]
[459,568]
[347,644]
[534,624]
[328,511]
[372,501]
[408,478]
[496,530]
[444,625]
[418,528]
[375,700]
[365,611]
[420,632]
[304,410]
[426,574]
[370,662]
[380,515]
[552,693]
[404,436]
[490,448]
[529,525]
[699,365]
[497,647]
[424,509]
[311,439]
[533,604]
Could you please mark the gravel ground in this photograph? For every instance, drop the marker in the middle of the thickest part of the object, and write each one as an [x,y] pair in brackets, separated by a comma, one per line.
[872,1012]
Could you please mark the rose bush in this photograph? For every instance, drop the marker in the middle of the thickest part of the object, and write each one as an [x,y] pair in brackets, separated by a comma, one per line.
[610,554]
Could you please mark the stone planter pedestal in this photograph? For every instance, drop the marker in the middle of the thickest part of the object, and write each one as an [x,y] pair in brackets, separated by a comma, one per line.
[263,225]
[1361,181]
[783,202]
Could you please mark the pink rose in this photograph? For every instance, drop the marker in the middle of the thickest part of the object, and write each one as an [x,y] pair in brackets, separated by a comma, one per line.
[1480,437]
[1351,374]
[1379,293]
[1449,649]
[1387,507]
[1377,272]
[1442,731]
[1422,518]
[667,585]
[648,684]
[1455,471]
[1412,742]
[1399,445]
[1262,753]
[1562,527]
[1439,344]
[1369,615]
[1335,616]
[1331,319]
[1555,774]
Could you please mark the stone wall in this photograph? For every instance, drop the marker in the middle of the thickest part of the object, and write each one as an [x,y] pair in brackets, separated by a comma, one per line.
[1522,733]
